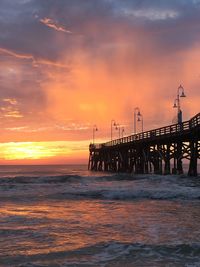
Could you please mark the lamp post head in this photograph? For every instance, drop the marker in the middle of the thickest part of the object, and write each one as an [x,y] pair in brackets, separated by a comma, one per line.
[183,94]
[95,128]
[138,119]
[139,114]
[182,91]
[175,103]
[117,126]
[137,109]
[113,122]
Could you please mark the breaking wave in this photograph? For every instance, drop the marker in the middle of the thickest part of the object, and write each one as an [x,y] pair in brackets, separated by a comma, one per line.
[115,254]
[109,187]
[40,179]
[135,194]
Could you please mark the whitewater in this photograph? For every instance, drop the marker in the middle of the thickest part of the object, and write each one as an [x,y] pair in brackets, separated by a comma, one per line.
[67,216]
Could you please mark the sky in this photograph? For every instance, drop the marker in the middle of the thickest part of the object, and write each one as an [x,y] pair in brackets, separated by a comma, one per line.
[67,65]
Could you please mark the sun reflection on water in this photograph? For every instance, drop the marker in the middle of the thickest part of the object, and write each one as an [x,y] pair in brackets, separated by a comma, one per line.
[45,227]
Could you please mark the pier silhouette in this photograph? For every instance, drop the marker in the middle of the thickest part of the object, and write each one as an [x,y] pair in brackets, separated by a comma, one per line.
[159,151]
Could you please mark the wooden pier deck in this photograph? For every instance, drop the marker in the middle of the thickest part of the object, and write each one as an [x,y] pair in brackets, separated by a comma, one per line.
[159,150]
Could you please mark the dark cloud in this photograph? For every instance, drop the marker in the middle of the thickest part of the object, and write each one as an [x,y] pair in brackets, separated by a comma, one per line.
[21,81]
[100,28]
[23,31]
[93,23]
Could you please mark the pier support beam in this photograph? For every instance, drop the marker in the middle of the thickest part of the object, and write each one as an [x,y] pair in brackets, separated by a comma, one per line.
[167,161]
[179,158]
[193,158]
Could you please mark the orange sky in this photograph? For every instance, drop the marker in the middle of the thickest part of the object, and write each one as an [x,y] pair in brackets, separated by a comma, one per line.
[65,67]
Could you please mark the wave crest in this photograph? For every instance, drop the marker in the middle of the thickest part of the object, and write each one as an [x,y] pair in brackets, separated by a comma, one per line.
[119,254]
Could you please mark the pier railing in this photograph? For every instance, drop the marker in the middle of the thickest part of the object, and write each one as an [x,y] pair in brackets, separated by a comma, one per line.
[166,131]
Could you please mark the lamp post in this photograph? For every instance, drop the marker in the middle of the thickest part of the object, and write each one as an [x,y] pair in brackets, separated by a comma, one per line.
[94,130]
[113,123]
[137,114]
[123,132]
[118,128]
[140,118]
[180,93]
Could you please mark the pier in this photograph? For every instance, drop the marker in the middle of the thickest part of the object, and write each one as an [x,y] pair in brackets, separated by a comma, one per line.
[159,151]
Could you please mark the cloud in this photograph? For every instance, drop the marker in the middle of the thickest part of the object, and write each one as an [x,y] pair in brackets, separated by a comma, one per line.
[10,109]
[13,114]
[69,127]
[10,112]
[34,61]
[151,14]
[14,54]
[125,53]
[96,21]
[54,25]
[11,101]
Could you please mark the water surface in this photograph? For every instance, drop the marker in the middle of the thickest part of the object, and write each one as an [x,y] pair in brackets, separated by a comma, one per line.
[67,216]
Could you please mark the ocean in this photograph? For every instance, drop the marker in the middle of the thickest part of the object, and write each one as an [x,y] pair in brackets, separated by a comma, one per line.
[68,216]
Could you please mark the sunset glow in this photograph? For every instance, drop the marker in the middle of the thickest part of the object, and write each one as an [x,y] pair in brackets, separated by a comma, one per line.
[30,152]
[68,65]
